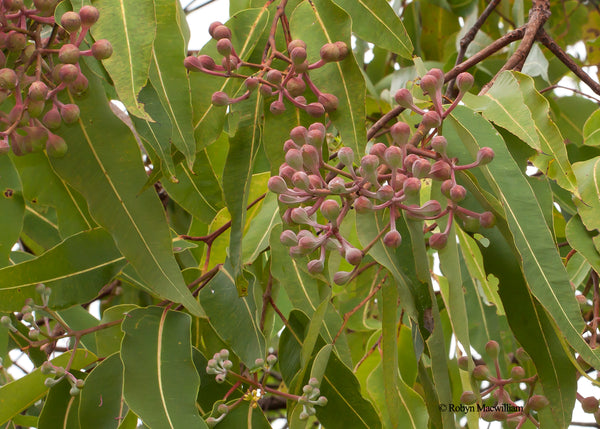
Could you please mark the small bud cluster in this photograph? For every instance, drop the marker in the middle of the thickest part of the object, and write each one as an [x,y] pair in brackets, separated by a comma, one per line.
[34,70]
[311,396]
[27,314]
[499,405]
[219,365]
[59,373]
[388,178]
[290,83]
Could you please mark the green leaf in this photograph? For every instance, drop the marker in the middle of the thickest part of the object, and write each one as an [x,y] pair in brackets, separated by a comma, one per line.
[130,26]
[75,270]
[12,207]
[588,181]
[42,187]
[504,105]
[20,394]
[170,78]
[109,340]
[246,27]
[104,164]
[256,239]
[582,240]
[591,130]
[78,318]
[101,402]
[437,25]
[61,409]
[159,378]
[375,21]
[233,317]
[545,274]
[323,22]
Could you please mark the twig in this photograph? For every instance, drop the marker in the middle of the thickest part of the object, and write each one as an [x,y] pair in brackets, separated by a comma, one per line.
[576,91]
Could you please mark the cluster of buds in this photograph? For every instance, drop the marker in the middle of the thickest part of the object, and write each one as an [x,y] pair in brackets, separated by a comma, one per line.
[219,365]
[27,314]
[35,69]
[388,178]
[59,373]
[266,365]
[499,405]
[290,83]
[310,398]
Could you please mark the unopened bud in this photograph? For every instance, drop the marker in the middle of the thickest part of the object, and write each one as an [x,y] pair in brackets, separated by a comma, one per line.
[220,98]
[315,110]
[439,144]
[38,91]
[440,170]
[337,185]
[385,193]
[589,405]
[421,168]
[70,21]
[393,157]
[492,348]
[404,98]
[221,32]
[301,180]
[431,120]
[288,238]
[438,241]
[342,277]
[8,78]
[363,204]
[464,81]
[295,86]
[457,193]
[487,220]
[463,363]
[369,163]
[517,373]
[330,52]
[411,186]
[537,402]
[353,255]
[315,266]
[277,185]
[69,113]
[400,133]
[330,209]
[310,157]
[298,55]
[481,372]
[68,73]
[277,107]
[89,15]
[346,156]
[468,398]
[68,54]
[485,155]
[329,101]
[392,239]
[300,216]
[429,84]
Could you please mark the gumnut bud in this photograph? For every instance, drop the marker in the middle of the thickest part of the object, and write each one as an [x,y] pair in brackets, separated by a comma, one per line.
[457,193]
[298,55]
[343,49]
[38,91]
[330,52]
[301,180]
[50,382]
[295,86]
[330,209]
[438,74]
[321,401]
[431,120]
[329,101]
[440,170]
[485,155]
[52,119]
[363,204]
[315,110]
[468,398]
[288,238]
[212,26]
[277,107]
[517,373]
[68,73]
[411,186]
[35,108]
[315,137]
[429,84]
[8,79]
[16,42]
[421,168]
[277,185]
[293,158]
[220,98]
[274,76]
[300,216]
[301,68]
[5,321]
[224,47]
[346,156]
[492,348]
[353,255]
[404,98]
[487,220]
[464,81]
[89,15]
[481,372]
[337,185]
[589,405]
[385,193]
[537,402]
[342,277]
[439,144]
[369,163]
[296,43]
[392,239]
[310,156]
[429,208]
[400,133]
[69,113]
[522,355]
[221,32]
[438,241]
[393,156]
[56,146]
[463,363]
[70,21]
[102,49]
[222,409]
[378,149]
[315,266]
[68,54]
[193,63]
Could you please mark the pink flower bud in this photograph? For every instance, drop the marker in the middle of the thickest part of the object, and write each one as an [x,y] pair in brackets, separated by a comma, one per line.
[353,255]
[295,86]
[429,84]
[378,149]
[315,137]
[457,193]
[286,172]
[298,135]
[343,49]
[299,216]
[410,160]
[400,133]
[446,186]
[265,91]
[274,76]
[485,155]
[421,168]
[298,252]
[487,220]
[330,52]
[411,186]
[277,185]
[315,266]
[537,402]
[363,204]
[224,47]
[439,144]
[315,181]
[385,193]
[310,156]
[404,98]
[308,242]
[293,157]
[431,120]
[213,26]
[438,74]
[315,110]
[330,209]
[393,156]
[346,156]
[430,208]
[438,241]
[369,163]
[289,144]
[464,81]
[288,238]
[297,43]
[220,98]
[56,146]
[298,55]
[392,239]
[301,181]
[342,277]
[337,185]
[221,32]
[440,170]
[277,107]
[251,83]
[329,101]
